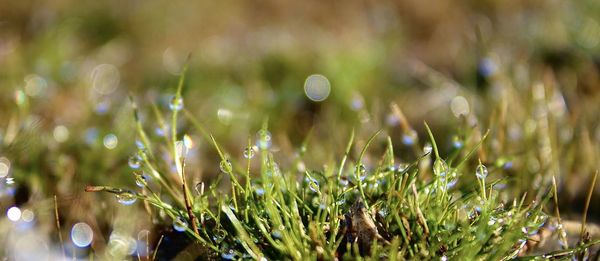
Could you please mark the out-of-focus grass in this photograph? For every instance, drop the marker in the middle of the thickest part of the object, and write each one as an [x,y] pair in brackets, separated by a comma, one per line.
[529,73]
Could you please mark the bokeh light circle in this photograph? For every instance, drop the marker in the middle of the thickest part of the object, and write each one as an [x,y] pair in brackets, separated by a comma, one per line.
[317,87]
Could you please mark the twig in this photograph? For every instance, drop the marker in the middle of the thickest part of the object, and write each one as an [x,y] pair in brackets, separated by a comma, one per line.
[62,245]
[561,232]
[186,199]
[420,216]
[587,205]
[157,246]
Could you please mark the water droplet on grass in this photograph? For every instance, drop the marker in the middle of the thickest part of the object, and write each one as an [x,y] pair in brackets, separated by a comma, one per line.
[180,224]
[481,171]
[134,161]
[139,144]
[402,167]
[344,181]
[259,191]
[228,255]
[188,142]
[409,138]
[487,67]
[126,198]
[160,131]
[140,180]
[199,187]
[225,166]
[313,184]
[276,234]
[176,103]
[427,148]
[361,170]
[263,139]
[82,234]
[457,143]
[249,153]
[440,168]
[180,149]
[219,235]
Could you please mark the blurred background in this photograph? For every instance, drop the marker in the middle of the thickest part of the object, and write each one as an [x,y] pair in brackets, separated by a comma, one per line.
[529,71]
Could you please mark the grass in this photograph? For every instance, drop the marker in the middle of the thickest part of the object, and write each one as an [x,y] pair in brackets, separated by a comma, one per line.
[473,137]
[347,208]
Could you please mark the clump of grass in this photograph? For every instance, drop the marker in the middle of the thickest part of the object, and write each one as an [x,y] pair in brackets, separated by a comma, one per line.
[344,210]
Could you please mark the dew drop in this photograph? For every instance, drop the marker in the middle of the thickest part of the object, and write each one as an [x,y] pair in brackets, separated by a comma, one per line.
[301,166]
[357,102]
[361,171]
[179,224]
[313,184]
[249,153]
[487,67]
[82,234]
[427,148]
[139,144]
[344,181]
[259,191]
[135,161]
[176,103]
[409,138]
[126,198]
[440,168]
[160,131]
[188,142]
[457,143]
[180,149]
[200,188]
[451,179]
[481,171]
[102,107]
[219,235]
[140,180]
[263,139]
[402,167]
[225,166]
[276,234]
[228,255]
